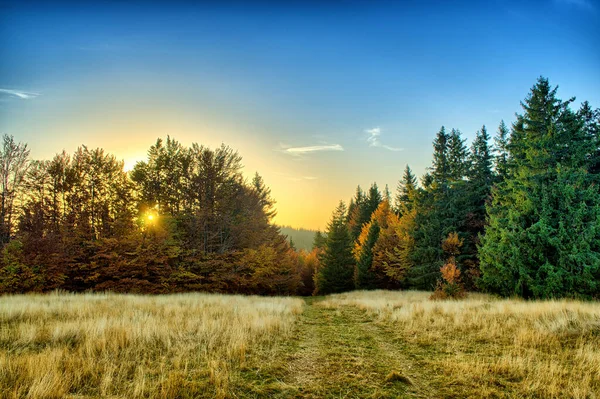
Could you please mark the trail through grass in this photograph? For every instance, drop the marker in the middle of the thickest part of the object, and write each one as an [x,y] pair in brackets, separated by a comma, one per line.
[343,353]
[377,344]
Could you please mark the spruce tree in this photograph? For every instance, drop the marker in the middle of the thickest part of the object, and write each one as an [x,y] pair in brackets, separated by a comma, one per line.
[501,149]
[458,162]
[480,171]
[337,263]
[364,278]
[319,240]
[543,238]
[440,171]
[406,191]
[372,201]
[355,211]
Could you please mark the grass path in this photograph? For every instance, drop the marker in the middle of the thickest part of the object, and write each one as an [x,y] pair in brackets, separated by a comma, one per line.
[342,353]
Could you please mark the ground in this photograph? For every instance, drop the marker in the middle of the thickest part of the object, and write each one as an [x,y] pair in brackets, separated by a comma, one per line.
[344,353]
[377,344]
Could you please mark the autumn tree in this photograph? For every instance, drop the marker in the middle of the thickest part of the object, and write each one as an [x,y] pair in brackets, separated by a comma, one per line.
[14,162]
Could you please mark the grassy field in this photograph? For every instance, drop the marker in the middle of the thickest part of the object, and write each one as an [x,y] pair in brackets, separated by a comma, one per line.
[358,345]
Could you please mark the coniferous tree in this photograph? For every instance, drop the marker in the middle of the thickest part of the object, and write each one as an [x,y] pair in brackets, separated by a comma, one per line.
[501,149]
[371,203]
[478,190]
[543,238]
[440,171]
[319,241]
[458,160]
[442,206]
[364,278]
[355,213]
[337,263]
[406,191]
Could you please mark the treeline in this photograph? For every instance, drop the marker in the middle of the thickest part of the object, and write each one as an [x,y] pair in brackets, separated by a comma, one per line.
[519,216]
[299,238]
[185,219]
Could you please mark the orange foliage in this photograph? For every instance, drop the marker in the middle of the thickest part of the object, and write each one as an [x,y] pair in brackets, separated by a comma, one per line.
[450,285]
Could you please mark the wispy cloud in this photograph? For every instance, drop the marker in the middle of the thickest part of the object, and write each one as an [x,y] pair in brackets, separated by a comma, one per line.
[314,148]
[24,95]
[374,141]
[296,178]
[585,4]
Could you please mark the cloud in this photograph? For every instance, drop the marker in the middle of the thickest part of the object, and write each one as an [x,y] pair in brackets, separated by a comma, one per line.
[373,139]
[585,4]
[23,95]
[296,178]
[314,148]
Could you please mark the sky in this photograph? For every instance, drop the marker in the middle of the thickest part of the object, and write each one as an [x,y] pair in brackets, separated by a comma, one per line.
[318,97]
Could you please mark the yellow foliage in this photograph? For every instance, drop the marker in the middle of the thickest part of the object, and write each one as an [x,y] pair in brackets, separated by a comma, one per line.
[452,244]
[391,252]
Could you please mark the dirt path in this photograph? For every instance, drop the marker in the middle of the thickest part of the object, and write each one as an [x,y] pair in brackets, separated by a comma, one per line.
[342,353]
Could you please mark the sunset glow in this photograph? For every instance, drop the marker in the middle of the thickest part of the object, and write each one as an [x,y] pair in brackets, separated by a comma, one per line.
[307,101]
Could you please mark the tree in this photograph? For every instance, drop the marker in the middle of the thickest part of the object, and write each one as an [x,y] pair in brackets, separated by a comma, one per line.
[361,207]
[480,171]
[319,241]
[337,263]
[501,142]
[440,170]
[458,161]
[478,190]
[450,285]
[406,192]
[543,238]
[14,161]
[364,278]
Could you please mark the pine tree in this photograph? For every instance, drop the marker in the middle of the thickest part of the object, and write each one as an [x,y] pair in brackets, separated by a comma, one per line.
[440,171]
[372,201]
[319,241]
[478,191]
[441,207]
[364,278]
[337,263]
[458,162]
[481,160]
[354,217]
[501,149]
[543,238]
[406,191]
[363,206]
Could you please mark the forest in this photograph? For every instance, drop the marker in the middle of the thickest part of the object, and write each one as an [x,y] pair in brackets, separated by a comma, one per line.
[513,215]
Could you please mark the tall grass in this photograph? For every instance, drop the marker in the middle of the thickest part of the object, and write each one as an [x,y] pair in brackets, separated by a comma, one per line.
[486,347]
[190,345]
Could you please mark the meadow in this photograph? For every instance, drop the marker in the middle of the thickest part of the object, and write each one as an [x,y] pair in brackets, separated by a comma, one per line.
[363,344]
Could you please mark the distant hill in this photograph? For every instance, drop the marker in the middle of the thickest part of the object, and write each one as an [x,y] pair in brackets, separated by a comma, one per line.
[303,238]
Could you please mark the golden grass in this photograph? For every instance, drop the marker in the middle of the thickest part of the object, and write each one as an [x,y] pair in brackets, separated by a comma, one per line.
[126,346]
[486,347]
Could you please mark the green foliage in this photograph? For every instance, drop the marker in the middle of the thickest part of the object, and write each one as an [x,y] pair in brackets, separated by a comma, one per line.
[319,241]
[501,141]
[543,237]
[361,208]
[406,192]
[337,263]
[16,276]
[364,278]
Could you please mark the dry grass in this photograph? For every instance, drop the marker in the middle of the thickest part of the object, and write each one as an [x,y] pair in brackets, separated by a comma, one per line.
[126,346]
[485,347]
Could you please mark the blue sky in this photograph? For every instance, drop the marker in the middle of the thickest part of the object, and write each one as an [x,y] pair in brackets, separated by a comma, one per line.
[318,97]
